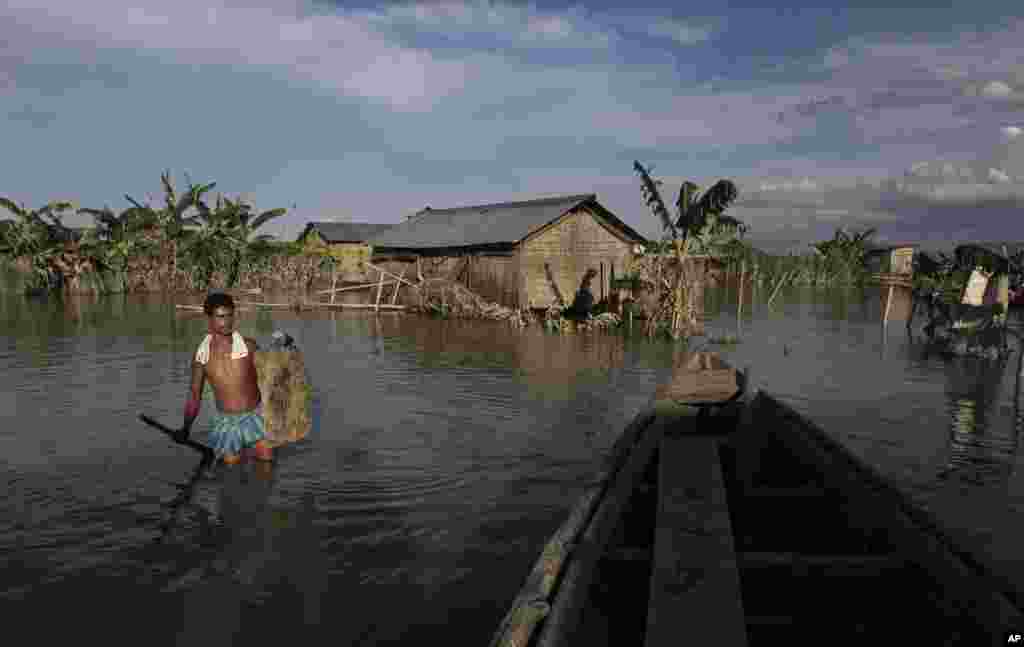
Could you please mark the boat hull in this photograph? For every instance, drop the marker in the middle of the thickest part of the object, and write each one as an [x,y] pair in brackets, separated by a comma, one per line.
[815,547]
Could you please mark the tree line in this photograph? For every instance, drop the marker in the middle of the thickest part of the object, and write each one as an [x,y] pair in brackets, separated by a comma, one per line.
[184,240]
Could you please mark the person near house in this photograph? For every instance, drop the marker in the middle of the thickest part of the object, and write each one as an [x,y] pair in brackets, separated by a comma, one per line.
[226,359]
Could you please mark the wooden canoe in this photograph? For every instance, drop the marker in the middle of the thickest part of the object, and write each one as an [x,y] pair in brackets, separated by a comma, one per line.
[745,527]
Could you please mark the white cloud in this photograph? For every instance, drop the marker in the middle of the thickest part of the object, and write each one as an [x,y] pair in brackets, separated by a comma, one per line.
[331,51]
[997,176]
[996,89]
[507,24]
[1012,132]
[789,185]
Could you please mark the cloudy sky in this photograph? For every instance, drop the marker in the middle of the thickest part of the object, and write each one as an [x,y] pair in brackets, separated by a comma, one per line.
[910,119]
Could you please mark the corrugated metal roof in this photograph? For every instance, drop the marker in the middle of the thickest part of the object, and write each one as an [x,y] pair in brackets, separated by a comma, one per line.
[488,224]
[346,232]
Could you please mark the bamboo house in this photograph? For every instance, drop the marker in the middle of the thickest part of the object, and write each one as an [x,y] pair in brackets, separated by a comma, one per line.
[346,242]
[525,254]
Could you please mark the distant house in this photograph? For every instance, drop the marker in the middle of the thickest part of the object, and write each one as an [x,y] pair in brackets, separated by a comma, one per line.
[345,241]
[506,251]
[891,259]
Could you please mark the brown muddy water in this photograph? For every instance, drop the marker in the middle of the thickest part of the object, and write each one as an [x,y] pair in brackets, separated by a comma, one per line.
[443,454]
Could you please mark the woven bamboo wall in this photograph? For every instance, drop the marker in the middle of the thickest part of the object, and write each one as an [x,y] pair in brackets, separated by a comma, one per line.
[577,242]
[495,278]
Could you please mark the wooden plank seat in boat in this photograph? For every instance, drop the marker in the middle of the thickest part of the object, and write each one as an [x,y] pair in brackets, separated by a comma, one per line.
[695,595]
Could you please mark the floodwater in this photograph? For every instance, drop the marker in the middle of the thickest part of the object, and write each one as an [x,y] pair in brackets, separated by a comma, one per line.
[443,454]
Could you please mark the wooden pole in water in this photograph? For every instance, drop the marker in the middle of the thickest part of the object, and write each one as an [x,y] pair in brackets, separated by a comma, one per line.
[380,289]
[778,287]
[888,303]
[739,304]
[334,281]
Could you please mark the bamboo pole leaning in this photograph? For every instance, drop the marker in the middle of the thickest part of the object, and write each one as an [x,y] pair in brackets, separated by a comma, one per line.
[398,284]
[361,286]
[533,603]
[365,306]
[778,286]
[395,276]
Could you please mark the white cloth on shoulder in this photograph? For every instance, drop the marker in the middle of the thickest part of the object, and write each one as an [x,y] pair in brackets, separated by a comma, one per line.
[239,349]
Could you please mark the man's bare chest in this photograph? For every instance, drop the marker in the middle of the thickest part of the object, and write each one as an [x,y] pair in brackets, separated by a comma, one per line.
[221,363]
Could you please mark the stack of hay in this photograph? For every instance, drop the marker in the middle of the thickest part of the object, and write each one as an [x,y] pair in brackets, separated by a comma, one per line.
[287,394]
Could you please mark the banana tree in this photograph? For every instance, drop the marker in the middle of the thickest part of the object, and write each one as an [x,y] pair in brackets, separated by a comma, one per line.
[844,253]
[699,227]
[171,220]
[211,248]
[245,225]
[38,235]
[116,240]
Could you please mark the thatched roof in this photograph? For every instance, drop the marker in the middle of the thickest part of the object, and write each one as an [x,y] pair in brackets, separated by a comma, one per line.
[503,223]
[345,232]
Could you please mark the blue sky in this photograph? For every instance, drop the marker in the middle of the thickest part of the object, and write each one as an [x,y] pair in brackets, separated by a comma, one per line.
[908,118]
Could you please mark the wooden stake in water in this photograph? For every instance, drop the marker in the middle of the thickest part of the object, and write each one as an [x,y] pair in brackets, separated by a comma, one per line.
[380,289]
[739,301]
[778,287]
[888,304]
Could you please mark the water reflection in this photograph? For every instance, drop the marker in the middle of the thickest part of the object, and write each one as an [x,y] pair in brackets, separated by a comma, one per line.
[262,551]
[981,450]
[443,454]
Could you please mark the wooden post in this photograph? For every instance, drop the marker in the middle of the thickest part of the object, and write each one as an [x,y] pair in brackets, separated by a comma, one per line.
[778,287]
[380,289]
[334,283]
[739,304]
[398,284]
[888,304]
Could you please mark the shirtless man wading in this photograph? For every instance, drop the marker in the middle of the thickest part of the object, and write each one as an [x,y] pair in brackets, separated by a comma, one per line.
[226,359]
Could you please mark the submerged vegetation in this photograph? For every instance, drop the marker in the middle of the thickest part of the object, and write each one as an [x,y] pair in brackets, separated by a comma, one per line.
[838,261]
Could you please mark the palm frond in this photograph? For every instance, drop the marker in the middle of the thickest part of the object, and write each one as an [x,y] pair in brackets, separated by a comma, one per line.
[58,206]
[134,202]
[267,216]
[11,206]
[719,197]
[652,197]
